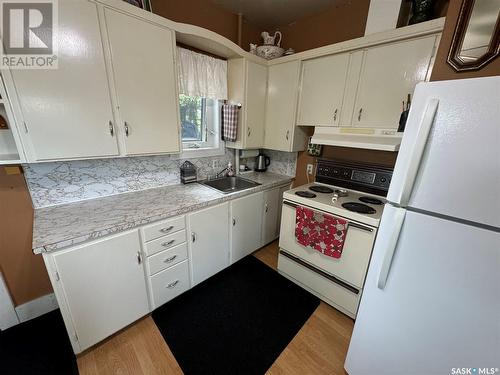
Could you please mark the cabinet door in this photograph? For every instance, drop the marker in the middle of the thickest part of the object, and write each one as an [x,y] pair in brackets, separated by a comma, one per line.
[246,221]
[256,85]
[209,241]
[103,285]
[272,203]
[68,110]
[388,75]
[146,83]
[281,108]
[322,92]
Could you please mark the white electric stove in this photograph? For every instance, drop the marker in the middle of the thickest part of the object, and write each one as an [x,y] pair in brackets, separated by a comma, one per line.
[350,191]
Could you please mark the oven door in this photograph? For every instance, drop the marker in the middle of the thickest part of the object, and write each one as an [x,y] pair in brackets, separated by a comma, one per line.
[350,267]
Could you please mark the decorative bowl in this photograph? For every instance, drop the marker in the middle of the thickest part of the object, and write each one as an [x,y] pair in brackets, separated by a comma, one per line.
[270,52]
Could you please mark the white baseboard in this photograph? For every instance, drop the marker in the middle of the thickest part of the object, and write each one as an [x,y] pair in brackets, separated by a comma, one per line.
[8,316]
[36,307]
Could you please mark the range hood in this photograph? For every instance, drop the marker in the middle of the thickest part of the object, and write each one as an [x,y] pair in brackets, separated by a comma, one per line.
[373,139]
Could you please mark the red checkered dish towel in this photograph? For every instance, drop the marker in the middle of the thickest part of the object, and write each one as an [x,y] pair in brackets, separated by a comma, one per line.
[229,122]
[319,231]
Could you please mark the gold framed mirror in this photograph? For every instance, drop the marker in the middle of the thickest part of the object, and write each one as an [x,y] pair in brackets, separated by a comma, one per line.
[476,40]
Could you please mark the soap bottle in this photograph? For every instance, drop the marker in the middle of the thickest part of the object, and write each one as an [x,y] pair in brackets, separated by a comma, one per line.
[230,170]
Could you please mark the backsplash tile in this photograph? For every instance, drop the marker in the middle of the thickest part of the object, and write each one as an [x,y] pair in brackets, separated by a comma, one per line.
[69,181]
[281,162]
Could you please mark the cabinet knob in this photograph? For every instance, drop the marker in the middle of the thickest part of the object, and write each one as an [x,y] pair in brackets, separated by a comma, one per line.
[267,208]
[139,257]
[193,237]
[126,128]
[287,134]
[359,114]
[111,128]
[234,221]
[335,114]
[249,131]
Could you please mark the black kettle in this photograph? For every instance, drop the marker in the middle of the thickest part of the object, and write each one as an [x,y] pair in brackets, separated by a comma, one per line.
[262,162]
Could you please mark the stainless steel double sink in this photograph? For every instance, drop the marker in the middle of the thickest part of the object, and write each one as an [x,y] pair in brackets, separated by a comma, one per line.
[228,185]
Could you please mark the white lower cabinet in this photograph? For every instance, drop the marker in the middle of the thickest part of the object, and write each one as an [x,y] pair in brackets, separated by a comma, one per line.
[270,218]
[208,241]
[104,285]
[100,287]
[245,233]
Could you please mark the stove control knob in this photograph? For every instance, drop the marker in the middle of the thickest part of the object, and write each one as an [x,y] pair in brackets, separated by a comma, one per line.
[383,179]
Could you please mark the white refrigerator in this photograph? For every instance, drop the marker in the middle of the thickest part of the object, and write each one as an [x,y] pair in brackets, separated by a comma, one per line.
[431,302]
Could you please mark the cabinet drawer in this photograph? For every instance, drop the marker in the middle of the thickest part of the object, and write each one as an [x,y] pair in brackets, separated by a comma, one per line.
[165,242]
[330,292]
[166,258]
[150,232]
[169,283]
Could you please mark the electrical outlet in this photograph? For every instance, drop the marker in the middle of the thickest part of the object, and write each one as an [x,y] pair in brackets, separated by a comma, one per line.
[309,169]
[215,163]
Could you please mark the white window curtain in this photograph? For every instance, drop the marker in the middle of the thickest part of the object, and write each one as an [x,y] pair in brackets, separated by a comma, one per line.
[201,75]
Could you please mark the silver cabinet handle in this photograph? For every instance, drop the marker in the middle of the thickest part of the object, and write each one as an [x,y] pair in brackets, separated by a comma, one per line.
[139,257]
[126,128]
[359,114]
[171,285]
[111,128]
[164,244]
[167,229]
[234,221]
[335,114]
[267,208]
[193,236]
[171,259]
[249,131]
[287,134]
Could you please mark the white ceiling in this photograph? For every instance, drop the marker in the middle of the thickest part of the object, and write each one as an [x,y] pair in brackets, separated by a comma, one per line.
[269,13]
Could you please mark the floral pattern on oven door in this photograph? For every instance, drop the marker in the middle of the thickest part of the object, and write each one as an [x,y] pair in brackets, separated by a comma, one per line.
[322,232]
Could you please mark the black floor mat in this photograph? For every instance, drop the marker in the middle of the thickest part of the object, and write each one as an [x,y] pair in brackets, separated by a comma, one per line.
[237,322]
[38,346]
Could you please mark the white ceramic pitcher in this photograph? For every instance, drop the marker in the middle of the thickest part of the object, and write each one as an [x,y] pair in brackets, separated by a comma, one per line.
[271,40]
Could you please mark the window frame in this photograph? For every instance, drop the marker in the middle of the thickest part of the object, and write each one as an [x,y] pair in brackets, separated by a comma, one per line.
[214,146]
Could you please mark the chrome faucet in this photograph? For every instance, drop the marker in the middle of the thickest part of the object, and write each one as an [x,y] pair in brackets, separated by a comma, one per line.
[217,175]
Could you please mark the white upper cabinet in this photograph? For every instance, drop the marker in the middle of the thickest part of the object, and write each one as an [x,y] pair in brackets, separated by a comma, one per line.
[67,111]
[256,90]
[281,132]
[146,86]
[247,85]
[323,85]
[388,74]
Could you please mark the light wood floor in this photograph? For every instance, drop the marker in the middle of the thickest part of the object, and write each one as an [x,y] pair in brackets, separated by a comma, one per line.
[319,347]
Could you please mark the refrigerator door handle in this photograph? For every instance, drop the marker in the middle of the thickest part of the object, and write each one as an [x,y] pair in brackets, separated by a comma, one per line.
[390,246]
[424,129]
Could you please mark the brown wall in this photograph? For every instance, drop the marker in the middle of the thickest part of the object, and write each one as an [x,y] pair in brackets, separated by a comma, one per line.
[335,24]
[201,13]
[208,15]
[384,158]
[23,271]
[443,71]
